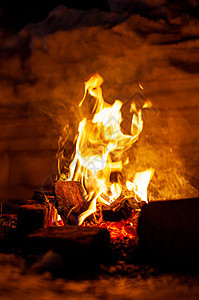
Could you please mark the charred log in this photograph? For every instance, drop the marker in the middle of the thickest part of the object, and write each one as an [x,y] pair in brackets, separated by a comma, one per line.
[70,200]
[33,216]
[120,210]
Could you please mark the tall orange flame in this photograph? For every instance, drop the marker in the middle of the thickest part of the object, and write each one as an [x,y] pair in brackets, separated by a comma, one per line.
[99,148]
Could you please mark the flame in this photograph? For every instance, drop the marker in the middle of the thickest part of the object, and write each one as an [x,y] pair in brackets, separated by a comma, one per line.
[115,190]
[100,145]
[140,183]
[141,86]
[59,221]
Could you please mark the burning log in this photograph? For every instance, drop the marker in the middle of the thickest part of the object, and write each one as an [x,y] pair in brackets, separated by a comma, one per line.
[81,248]
[38,213]
[70,200]
[119,210]
[168,232]
[97,159]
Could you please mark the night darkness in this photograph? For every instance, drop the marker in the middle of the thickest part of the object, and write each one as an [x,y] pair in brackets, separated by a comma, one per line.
[14,15]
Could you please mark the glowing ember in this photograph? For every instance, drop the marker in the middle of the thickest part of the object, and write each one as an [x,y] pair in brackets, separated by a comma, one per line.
[120,230]
[100,145]
[125,229]
[59,221]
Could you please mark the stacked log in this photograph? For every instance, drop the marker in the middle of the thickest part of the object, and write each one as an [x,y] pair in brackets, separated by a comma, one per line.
[37,213]
[67,198]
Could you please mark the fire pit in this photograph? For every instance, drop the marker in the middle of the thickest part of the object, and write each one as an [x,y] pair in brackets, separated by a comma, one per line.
[96,201]
[120,206]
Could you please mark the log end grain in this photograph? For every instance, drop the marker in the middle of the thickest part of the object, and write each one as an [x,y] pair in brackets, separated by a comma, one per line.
[70,200]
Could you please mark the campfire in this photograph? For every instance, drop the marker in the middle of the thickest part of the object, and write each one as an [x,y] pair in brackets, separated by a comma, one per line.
[99,180]
[97,166]
[96,189]
[96,193]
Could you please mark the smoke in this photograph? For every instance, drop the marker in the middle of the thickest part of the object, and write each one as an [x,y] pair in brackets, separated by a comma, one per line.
[159,147]
[42,75]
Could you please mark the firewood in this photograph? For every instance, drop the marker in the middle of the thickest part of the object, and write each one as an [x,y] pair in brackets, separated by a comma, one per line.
[168,232]
[36,214]
[32,216]
[41,197]
[120,209]
[80,247]
[70,200]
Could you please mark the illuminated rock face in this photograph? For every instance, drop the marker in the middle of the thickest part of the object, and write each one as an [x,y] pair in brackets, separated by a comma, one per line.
[44,66]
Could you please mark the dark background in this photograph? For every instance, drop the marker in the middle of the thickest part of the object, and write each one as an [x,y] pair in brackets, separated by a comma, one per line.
[14,15]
